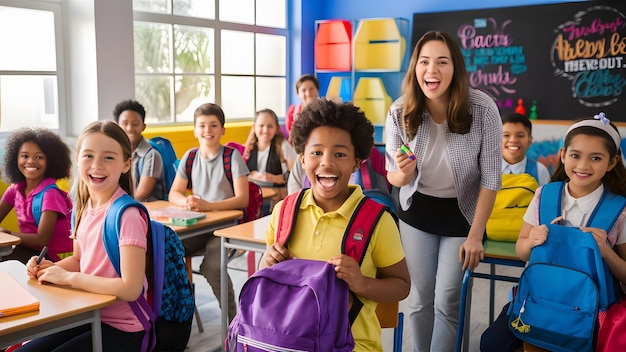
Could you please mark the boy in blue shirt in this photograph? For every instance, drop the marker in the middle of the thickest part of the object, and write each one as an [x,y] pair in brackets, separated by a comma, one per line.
[516,139]
[147,162]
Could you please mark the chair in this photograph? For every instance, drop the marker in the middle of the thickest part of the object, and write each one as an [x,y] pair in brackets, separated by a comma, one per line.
[496,253]
[389,317]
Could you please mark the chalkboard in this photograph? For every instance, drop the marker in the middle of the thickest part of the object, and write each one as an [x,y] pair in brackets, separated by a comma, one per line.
[570,58]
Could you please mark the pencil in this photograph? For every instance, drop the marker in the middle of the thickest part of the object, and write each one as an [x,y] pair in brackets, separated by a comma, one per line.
[42,254]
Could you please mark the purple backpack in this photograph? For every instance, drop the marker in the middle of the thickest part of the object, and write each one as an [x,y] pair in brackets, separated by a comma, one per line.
[298,304]
[295,305]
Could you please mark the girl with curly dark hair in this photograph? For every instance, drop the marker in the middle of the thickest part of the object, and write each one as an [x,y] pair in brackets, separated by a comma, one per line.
[35,158]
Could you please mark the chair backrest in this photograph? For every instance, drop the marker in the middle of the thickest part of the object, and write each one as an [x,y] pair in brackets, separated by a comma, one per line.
[387,314]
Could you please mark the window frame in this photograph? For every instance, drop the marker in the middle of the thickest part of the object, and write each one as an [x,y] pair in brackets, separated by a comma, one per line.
[54,6]
[217,26]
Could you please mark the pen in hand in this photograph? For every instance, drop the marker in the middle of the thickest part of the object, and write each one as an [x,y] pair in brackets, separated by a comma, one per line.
[42,254]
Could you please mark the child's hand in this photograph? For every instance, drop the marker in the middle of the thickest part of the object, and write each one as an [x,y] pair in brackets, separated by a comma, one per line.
[404,163]
[537,236]
[348,270]
[257,175]
[276,253]
[33,270]
[54,274]
[195,203]
[601,238]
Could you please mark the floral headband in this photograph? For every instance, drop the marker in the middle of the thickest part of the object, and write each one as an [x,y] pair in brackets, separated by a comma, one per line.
[602,122]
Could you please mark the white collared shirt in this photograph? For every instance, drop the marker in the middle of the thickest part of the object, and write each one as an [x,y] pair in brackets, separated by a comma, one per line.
[543,174]
[575,211]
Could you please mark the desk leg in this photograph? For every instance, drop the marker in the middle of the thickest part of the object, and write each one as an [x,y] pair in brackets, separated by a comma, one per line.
[224,288]
[96,332]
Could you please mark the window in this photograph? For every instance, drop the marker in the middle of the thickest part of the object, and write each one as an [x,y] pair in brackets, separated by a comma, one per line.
[31,79]
[230,52]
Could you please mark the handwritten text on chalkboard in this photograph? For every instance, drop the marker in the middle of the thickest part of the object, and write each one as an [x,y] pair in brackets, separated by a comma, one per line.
[589,50]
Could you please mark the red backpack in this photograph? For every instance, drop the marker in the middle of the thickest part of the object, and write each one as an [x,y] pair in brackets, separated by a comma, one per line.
[358,232]
[255,200]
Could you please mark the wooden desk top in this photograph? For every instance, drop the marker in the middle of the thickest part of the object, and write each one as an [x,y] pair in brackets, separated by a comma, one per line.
[212,217]
[55,302]
[252,231]
[8,240]
[268,192]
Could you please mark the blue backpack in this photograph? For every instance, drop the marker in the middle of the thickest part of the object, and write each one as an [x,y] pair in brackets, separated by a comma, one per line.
[170,161]
[297,304]
[566,283]
[170,304]
[38,200]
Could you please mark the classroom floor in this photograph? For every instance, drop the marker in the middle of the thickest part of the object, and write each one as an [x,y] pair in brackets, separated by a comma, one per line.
[210,339]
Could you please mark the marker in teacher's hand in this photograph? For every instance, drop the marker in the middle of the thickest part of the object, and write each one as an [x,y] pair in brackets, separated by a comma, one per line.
[42,254]
[407,151]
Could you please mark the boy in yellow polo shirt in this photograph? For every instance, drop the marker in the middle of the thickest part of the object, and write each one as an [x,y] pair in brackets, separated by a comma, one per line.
[331,140]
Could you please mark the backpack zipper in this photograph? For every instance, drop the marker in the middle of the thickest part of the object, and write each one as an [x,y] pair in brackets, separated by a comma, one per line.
[248,342]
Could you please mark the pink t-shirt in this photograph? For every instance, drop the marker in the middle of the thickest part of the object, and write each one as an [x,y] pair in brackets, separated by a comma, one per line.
[95,261]
[53,199]
[292,111]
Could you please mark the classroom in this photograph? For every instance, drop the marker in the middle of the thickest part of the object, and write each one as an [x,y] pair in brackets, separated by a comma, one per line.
[247,55]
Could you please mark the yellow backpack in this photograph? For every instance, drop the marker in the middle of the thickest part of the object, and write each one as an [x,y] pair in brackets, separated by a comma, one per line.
[511,203]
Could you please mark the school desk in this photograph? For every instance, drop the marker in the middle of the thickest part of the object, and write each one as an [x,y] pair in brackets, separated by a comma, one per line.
[268,193]
[249,236]
[60,308]
[214,220]
[7,242]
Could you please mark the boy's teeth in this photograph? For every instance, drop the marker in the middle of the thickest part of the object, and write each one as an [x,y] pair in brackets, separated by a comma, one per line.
[327,181]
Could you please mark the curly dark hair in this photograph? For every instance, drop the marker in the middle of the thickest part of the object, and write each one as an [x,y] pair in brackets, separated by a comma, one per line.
[346,116]
[58,154]
[131,105]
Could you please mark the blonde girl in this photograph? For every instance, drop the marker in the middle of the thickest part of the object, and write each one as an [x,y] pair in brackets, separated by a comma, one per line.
[103,157]
[268,154]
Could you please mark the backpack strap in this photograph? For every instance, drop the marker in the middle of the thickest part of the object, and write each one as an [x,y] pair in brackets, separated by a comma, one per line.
[357,237]
[360,228]
[604,215]
[188,165]
[550,201]
[287,218]
[607,211]
[227,160]
[531,168]
[110,238]
[38,200]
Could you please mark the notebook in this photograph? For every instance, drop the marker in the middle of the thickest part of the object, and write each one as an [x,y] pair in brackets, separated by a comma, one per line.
[177,216]
[14,298]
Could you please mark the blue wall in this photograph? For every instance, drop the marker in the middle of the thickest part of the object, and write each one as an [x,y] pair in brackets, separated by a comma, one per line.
[303,34]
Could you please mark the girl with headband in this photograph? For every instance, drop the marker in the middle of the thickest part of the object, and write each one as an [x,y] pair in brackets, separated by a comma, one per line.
[590,162]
